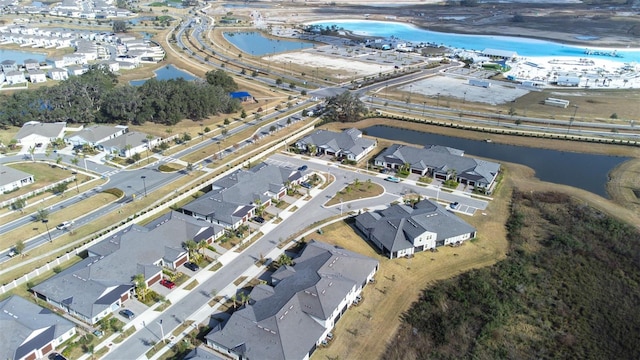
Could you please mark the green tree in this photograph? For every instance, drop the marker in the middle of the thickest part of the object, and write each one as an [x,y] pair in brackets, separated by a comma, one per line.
[19,247]
[192,247]
[222,79]
[42,214]
[345,107]
[119,26]
[19,204]
[141,286]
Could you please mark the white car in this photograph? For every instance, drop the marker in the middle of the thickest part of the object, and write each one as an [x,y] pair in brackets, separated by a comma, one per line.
[65,225]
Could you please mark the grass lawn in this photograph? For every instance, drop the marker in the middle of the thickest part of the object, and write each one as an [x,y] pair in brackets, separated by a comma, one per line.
[83,185]
[191,285]
[37,228]
[364,331]
[354,191]
[89,229]
[44,174]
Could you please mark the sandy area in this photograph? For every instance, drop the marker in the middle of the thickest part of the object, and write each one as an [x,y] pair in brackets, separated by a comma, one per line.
[349,66]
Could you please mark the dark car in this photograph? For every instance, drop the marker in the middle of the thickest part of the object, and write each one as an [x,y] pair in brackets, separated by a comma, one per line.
[258,219]
[306,185]
[167,283]
[127,314]
[192,266]
[303,168]
[56,356]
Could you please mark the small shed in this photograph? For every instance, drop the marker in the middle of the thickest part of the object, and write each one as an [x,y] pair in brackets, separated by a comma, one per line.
[241,95]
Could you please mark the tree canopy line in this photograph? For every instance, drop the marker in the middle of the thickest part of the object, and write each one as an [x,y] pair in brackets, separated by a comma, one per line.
[96,97]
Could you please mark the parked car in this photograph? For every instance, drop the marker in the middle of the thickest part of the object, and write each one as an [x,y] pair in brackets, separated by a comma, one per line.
[303,168]
[167,283]
[127,314]
[392,179]
[258,219]
[192,266]
[306,185]
[65,225]
[56,356]
[455,205]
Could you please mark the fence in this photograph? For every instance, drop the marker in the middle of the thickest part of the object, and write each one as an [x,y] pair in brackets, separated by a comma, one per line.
[156,208]
[36,192]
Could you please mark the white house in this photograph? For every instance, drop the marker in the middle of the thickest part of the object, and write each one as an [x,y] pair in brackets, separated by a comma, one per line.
[348,144]
[13,179]
[96,134]
[292,316]
[15,77]
[130,143]
[30,331]
[58,74]
[37,76]
[34,132]
[402,230]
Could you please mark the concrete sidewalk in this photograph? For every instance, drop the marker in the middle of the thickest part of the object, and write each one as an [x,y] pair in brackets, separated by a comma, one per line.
[201,315]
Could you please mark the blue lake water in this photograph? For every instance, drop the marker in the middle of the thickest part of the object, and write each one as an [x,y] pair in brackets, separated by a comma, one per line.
[585,171]
[20,56]
[166,73]
[522,46]
[255,44]
[136,21]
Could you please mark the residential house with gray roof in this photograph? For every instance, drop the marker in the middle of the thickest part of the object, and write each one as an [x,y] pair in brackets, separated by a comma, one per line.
[132,142]
[29,331]
[12,179]
[96,134]
[440,162]
[234,198]
[202,353]
[402,230]
[347,144]
[291,317]
[101,283]
[34,132]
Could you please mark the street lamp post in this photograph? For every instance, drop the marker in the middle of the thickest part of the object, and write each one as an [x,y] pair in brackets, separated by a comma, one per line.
[573,117]
[75,178]
[144,183]
[219,153]
[424,105]
[46,221]
[438,101]
[161,330]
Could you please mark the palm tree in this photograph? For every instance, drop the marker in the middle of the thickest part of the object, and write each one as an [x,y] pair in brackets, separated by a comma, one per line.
[75,161]
[192,247]
[149,137]
[141,286]
[202,245]
[127,152]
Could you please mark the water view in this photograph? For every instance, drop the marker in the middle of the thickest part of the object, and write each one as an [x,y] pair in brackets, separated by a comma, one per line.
[255,44]
[522,46]
[585,171]
[20,56]
[166,73]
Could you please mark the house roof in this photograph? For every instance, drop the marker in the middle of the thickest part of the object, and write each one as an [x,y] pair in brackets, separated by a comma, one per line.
[398,225]
[9,175]
[95,133]
[25,326]
[441,159]
[279,323]
[233,196]
[93,284]
[202,353]
[347,141]
[133,138]
[48,130]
